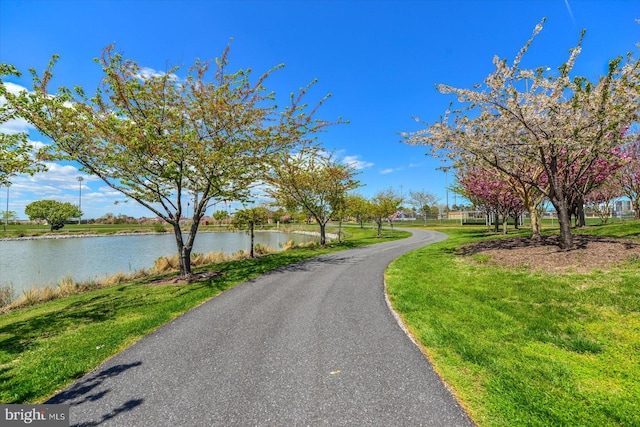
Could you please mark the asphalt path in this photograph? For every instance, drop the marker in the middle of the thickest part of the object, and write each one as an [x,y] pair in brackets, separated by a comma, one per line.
[313,343]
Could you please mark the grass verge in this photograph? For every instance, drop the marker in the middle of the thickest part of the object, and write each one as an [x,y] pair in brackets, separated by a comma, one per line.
[523,348]
[45,347]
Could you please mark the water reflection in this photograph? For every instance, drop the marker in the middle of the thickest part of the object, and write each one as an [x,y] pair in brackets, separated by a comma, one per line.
[27,263]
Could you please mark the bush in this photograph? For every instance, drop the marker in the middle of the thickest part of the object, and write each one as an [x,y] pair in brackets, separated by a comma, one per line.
[260,249]
[165,264]
[289,244]
[7,295]
[159,228]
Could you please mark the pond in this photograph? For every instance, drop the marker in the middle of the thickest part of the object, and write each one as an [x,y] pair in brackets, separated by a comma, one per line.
[41,262]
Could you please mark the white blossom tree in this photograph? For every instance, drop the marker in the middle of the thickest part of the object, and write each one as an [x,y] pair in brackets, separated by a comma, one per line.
[558,124]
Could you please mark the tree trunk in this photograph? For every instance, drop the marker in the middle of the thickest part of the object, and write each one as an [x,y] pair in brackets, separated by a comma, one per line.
[536,222]
[636,208]
[339,231]
[581,220]
[505,223]
[323,238]
[251,254]
[184,251]
[564,220]
[379,228]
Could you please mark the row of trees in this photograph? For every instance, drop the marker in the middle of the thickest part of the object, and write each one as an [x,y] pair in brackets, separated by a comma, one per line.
[167,141]
[174,143]
[380,208]
[547,135]
[500,195]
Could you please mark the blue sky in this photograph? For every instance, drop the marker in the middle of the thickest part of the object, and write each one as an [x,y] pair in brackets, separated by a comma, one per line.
[380,61]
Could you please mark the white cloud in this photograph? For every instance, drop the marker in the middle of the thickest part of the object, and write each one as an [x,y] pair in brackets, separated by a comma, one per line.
[55,179]
[14,88]
[14,126]
[36,145]
[386,171]
[148,73]
[17,125]
[356,163]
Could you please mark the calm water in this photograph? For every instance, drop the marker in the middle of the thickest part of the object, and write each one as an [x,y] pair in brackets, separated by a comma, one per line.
[28,263]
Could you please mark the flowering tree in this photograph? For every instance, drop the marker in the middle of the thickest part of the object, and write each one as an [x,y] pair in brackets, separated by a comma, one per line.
[629,176]
[382,206]
[492,193]
[165,141]
[313,181]
[600,200]
[598,174]
[357,206]
[554,123]
[16,154]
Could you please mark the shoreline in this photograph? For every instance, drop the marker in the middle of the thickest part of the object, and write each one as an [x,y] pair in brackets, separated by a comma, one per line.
[79,235]
[139,233]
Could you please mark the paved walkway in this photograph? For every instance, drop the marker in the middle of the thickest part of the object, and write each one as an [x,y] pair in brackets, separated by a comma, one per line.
[310,344]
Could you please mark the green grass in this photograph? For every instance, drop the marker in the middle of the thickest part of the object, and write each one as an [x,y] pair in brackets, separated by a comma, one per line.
[522,348]
[20,230]
[45,347]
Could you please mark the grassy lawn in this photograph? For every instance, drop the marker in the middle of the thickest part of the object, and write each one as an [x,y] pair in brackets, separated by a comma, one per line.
[521,348]
[21,230]
[45,347]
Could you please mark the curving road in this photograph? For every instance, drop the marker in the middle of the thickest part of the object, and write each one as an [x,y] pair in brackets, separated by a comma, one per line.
[310,344]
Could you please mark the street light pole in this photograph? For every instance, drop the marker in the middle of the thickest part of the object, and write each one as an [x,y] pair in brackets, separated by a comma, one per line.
[80,179]
[445,169]
[6,218]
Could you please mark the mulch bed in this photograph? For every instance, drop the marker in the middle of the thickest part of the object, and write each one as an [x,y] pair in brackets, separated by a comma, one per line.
[544,254]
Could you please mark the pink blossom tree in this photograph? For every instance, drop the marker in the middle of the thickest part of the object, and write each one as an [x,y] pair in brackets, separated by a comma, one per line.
[600,200]
[492,193]
[597,175]
[629,177]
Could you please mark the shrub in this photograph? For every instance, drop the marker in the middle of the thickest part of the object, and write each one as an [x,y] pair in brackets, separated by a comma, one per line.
[165,264]
[289,244]
[67,286]
[116,279]
[159,228]
[7,295]
[47,294]
[29,297]
[260,249]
